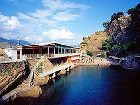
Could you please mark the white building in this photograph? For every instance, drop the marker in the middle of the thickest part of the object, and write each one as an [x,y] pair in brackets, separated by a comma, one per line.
[14,53]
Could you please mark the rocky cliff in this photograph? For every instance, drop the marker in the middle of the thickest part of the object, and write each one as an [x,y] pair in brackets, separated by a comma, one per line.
[121,37]
[125,32]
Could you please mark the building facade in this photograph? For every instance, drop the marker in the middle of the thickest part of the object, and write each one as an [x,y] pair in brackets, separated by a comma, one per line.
[50,50]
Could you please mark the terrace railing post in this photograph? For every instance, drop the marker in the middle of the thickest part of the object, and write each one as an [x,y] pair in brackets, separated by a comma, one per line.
[48,50]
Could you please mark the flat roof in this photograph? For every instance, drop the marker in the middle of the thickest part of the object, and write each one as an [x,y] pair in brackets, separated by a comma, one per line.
[47,44]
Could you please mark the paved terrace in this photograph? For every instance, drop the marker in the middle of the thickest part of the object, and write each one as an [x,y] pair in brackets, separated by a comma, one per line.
[56,69]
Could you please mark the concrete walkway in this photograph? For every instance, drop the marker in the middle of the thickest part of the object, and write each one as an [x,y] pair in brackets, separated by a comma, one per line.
[56,69]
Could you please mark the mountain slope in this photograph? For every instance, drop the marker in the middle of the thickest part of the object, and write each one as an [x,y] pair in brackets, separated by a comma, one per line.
[93,43]
[14,41]
[3,40]
[124,31]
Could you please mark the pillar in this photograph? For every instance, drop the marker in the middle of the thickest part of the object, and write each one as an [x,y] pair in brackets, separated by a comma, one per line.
[61,50]
[48,50]
[20,54]
[54,50]
[64,51]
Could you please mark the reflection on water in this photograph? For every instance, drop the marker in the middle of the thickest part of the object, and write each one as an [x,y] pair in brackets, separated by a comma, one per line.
[92,86]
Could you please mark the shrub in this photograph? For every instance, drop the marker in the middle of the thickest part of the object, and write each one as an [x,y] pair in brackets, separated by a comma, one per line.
[103,55]
[107,44]
[83,43]
[39,68]
[90,53]
[116,15]
[106,25]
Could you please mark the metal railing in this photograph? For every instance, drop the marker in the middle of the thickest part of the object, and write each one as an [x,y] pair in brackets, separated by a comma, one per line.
[30,56]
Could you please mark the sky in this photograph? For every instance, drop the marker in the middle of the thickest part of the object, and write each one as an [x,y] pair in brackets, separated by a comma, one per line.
[63,21]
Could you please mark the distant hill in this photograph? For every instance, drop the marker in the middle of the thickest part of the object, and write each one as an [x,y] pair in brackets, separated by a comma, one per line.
[93,43]
[14,41]
[3,40]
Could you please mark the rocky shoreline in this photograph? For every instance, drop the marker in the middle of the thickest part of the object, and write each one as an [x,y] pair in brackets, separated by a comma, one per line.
[24,90]
[131,62]
[97,62]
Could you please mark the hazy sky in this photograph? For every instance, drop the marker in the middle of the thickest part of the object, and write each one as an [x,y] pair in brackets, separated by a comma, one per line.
[65,21]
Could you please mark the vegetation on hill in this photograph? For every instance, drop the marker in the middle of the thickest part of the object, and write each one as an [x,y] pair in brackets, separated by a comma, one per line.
[93,44]
[90,53]
[121,35]
[124,33]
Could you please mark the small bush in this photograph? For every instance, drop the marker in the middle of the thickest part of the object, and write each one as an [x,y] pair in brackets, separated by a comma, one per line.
[90,53]
[103,55]
[83,43]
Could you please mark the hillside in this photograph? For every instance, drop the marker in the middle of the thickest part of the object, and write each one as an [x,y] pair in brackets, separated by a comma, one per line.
[120,39]
[14,41]
[93,43]
[124,32]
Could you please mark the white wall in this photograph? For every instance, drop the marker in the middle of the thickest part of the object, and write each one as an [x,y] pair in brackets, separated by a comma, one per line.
[12,53]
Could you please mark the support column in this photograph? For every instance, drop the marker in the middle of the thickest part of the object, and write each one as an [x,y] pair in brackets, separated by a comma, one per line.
[70,50]
[61,50]
[64,51]
[20,54]
[54,50]
[33,52]
[48,50]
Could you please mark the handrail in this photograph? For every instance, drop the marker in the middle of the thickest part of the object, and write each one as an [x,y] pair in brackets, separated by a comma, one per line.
[50,55]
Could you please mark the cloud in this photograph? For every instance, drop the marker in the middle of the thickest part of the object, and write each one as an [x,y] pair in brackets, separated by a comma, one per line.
[9,23]
[12,23]
[34,38]
[60,33]
[37,17]
[31,25]
[41,13]
[65,16]
[59,5]
[7,35]
[23,16]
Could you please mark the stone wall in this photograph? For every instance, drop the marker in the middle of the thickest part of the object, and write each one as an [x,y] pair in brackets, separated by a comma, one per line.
[10,72]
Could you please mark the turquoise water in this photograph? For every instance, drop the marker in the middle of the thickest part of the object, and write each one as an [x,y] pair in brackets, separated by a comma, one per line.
[87,85]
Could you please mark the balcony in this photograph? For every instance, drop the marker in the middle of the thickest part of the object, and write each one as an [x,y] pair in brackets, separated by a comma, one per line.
[51,56]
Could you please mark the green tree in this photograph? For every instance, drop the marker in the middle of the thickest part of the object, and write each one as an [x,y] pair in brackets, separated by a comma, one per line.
[131,11]
[116,16]
[106,25]
[89,53]
[107,44]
